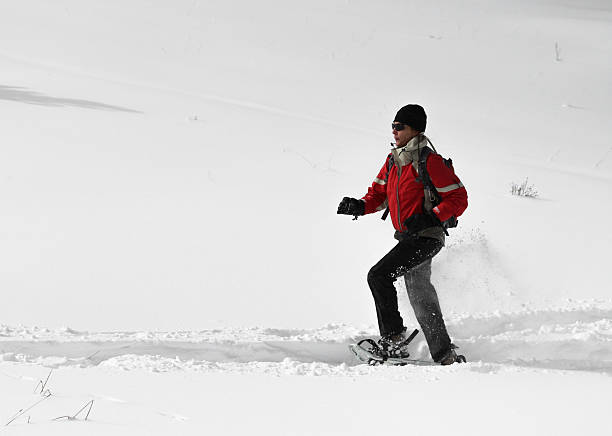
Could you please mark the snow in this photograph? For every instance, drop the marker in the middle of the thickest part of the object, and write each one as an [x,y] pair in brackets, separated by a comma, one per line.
[534,371]
[170,248]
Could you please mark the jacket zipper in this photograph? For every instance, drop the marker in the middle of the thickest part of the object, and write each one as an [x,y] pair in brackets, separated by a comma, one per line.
[399,215]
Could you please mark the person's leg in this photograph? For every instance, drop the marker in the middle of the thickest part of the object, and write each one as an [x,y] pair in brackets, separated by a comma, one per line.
[424,301]
[402,258]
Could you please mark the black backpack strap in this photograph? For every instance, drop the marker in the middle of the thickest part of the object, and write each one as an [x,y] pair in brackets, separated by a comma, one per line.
[390,163]
[431,196]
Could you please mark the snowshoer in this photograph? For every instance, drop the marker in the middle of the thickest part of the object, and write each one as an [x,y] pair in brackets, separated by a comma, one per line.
[420,230]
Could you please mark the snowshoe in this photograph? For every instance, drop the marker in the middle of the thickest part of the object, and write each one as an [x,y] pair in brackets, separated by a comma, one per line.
[388,350]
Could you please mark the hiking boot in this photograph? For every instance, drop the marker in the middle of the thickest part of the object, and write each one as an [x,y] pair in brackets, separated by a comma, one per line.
[452,357]
[395,344]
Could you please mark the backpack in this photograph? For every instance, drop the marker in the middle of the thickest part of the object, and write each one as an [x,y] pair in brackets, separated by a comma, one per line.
[432,197]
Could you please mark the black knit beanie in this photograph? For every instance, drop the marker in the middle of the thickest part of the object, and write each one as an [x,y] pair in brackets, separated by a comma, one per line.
[412,115]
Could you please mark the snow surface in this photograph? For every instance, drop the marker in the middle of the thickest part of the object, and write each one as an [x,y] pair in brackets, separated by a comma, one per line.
[170,250]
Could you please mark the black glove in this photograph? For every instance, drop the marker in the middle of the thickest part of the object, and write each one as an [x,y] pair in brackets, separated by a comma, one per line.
[351,206]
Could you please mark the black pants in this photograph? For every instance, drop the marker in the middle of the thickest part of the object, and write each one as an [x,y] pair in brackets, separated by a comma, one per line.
[412,259]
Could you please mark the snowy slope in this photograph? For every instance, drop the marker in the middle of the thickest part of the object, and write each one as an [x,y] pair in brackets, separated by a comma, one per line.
[271,381]
[193,156]
[169,179]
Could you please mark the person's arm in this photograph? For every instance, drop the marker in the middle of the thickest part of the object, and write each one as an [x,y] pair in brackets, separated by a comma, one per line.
[376,198]
[374,201]
[451,190]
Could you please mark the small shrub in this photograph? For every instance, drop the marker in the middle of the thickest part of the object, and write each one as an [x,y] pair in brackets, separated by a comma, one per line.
[524,189]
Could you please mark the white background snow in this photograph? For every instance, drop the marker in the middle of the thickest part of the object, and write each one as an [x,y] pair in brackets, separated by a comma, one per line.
[169,244]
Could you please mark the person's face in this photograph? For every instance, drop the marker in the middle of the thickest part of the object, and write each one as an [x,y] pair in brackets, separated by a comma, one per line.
[402,133]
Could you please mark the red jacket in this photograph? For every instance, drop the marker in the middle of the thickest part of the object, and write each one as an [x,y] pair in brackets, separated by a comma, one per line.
[404,195]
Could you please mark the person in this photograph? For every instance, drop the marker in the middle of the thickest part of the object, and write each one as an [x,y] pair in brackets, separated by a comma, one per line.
[420,232]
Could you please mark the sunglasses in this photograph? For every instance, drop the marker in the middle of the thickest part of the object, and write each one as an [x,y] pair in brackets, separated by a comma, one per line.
[398,126]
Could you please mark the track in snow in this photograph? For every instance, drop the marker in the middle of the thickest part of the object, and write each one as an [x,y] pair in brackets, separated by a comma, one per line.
[575,339]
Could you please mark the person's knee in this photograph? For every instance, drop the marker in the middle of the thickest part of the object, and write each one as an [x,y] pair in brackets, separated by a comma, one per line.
[376,278]
[372,276]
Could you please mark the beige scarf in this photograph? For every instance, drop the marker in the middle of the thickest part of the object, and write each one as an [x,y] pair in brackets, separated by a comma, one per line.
[409,153]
